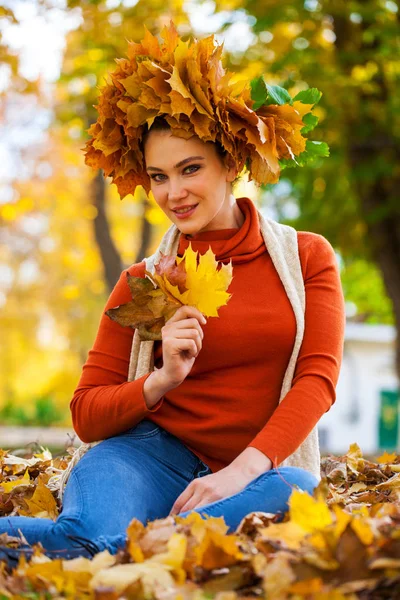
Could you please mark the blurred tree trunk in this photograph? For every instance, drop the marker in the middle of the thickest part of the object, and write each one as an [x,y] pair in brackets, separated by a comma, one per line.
[371,146]
[145,237]
[111,258]
[383,230]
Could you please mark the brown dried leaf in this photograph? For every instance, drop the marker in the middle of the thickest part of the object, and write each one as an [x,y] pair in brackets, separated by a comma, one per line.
[148,310]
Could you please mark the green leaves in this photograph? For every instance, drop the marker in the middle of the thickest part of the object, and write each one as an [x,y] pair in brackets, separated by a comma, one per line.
[264,94]
[313,151]
[316,149]
[310,96]
[277,95]
[310,122]
[258,92]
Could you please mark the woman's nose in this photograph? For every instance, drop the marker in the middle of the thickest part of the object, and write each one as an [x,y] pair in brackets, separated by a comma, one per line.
[176,190]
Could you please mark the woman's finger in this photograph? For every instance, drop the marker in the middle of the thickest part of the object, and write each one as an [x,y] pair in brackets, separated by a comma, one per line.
[188,324]
[182,345]
[191,334]
[182,499]
[186,311]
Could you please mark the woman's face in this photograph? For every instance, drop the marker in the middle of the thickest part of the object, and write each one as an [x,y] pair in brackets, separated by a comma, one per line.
[190,172]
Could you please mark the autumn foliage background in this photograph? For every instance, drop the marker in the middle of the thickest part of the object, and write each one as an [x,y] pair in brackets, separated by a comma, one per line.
[66,235]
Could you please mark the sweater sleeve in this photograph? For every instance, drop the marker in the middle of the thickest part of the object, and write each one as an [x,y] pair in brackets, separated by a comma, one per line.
[319,360]
[104,402]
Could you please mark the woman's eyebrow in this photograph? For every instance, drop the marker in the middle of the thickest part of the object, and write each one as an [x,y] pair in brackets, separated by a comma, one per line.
[179,164]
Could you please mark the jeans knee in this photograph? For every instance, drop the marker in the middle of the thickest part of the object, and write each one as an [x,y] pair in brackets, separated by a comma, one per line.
[300,477]
[63,532]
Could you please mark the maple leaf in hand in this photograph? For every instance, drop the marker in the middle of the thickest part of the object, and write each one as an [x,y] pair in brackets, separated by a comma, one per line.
[148,310]
[206,287]
[168,275]
[177,281]
[194,280]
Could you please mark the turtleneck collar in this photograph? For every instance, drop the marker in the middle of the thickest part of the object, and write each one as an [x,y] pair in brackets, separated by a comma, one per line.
[239,244]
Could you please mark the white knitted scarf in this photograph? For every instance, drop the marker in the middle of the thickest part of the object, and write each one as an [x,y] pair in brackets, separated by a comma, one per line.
[281,243]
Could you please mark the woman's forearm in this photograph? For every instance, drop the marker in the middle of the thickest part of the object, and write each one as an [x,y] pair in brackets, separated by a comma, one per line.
[251,462]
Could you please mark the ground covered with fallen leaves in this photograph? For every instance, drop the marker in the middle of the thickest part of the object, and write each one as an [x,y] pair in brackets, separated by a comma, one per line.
[342,543]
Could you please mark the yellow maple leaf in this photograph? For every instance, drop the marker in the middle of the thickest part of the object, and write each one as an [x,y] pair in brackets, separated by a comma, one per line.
[152,574]
[307,512]
[206,287]
[42,504]
[354,458]
[386,458]
[288,533]
[307,586]
[363,529]
[342,519]
[174,556]
[217,550]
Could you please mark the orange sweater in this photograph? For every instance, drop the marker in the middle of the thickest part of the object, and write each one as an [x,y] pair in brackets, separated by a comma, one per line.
[230,399]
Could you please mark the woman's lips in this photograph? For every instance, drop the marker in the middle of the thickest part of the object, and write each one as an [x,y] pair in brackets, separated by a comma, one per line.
[187,213]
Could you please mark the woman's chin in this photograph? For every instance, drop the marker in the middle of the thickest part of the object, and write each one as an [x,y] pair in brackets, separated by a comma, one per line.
[187,228]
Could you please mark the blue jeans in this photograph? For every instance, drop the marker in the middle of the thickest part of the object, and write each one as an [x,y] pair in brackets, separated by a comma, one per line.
[140,473]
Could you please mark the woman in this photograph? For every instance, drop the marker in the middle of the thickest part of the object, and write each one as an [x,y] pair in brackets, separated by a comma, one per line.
[206,390]
[208,429]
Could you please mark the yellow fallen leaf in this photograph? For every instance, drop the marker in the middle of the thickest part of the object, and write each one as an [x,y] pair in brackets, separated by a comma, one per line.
[102,560]
[278,576]
[354,458]
[42,504]
[386,458]
[217,550]
[307,586]
[290,533]
[11,485]
[214,548]
[363,530]
[333,595]
[152,574]
[174,557]
[357,487]
[342,520]
[307,512]
[391,483]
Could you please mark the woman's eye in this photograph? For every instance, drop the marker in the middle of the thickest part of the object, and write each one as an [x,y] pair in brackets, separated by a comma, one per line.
[196,167]
[193,167]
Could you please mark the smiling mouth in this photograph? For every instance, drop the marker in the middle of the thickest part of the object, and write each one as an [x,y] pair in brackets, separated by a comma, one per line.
[185,210]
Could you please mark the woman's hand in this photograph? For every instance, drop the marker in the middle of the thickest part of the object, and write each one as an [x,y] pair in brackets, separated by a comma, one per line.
[203,490]
[182,338]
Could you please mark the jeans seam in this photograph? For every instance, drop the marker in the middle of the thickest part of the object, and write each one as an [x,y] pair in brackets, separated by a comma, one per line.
[199,474]
[145,435]
[78,486]
[194,470]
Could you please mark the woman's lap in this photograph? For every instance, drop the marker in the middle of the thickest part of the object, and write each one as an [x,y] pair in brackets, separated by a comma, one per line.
[269,492]
[140,473]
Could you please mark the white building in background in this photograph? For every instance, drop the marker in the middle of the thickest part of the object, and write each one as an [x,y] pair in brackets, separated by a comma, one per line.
[366,410]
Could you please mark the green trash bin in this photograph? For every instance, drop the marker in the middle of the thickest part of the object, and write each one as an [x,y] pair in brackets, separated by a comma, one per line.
[389,420]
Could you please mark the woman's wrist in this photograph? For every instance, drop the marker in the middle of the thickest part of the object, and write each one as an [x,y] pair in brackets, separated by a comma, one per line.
[252,462]
[155,387]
